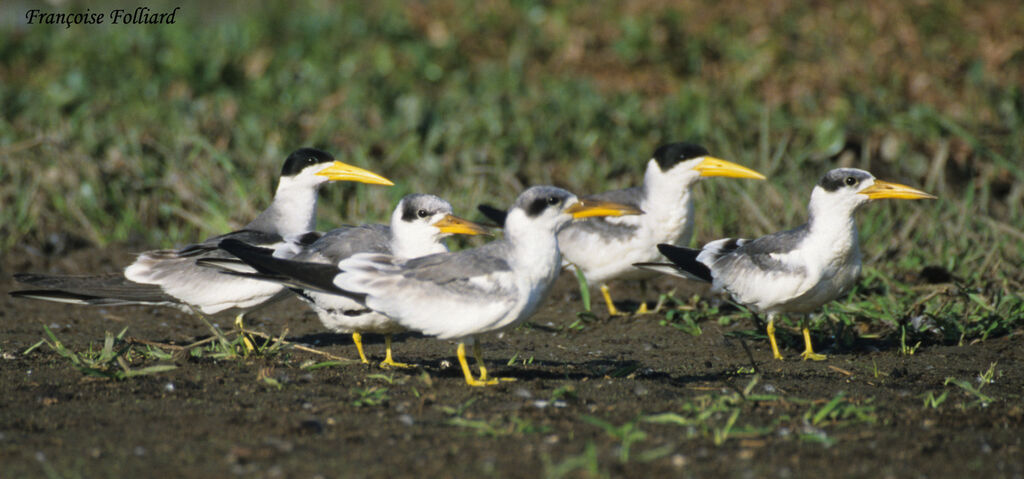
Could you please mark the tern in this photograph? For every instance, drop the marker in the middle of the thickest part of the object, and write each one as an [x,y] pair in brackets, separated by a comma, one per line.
[605,248]
[794,271]
[172,278]
[458,295]
[417,228]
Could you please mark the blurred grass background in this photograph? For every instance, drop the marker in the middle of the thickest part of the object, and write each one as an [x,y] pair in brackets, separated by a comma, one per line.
[157,135]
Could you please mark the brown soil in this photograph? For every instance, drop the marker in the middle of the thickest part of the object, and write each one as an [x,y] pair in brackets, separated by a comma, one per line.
[211,418]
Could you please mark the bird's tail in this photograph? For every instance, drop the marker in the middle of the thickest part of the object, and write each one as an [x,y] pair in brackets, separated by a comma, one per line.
[107,289]
[684,263]
[497,215]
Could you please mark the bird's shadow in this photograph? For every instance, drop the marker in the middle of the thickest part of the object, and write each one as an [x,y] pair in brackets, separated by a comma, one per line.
[344,339]
[528,370]
[554,370]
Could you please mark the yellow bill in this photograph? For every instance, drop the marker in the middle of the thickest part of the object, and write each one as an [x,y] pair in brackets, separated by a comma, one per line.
[884,189]
[587,208]
[339,171]
[712,166]
[454,225]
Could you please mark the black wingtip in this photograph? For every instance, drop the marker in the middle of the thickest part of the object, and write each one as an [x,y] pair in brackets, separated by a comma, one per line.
[318,276]
[252,255]
[26,278]
[686,259]
[497,215]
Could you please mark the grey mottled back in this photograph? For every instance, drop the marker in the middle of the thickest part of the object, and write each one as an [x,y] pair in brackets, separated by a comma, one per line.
[340,243]
[740,255]
[442,268]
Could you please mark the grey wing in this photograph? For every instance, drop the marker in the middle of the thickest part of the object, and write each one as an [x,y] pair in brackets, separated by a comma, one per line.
[343,242]
[445,268]
[627,196]
[748,268]
[764,252]
[446,295]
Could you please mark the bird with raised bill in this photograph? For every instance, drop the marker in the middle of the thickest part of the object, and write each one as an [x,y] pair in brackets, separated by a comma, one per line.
[794,271]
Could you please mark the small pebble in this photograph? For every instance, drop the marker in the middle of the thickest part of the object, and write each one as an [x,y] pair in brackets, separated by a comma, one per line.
[523,393]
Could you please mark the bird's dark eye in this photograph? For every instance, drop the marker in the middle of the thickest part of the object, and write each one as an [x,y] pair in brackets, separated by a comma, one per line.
[423,213]
[850,181]
[552,200]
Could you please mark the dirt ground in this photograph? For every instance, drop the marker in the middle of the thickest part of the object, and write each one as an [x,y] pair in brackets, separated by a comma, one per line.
[734,414]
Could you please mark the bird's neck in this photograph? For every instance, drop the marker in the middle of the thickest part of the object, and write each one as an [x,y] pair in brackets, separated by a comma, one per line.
[292,212]
[668,204]
[535,253]
[835,231]
[410,246]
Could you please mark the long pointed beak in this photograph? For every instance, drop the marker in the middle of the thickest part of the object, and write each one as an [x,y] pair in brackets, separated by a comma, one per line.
[339,171]
[884,189]
[591,208]
[712,166]
[454,225]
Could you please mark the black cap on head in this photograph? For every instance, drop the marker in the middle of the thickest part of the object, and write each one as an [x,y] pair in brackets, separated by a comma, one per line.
[669,155]
[303,157]
[843,178]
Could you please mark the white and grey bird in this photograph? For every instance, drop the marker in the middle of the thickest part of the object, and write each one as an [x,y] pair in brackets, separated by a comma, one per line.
[417,228]
[457,295]
[605,248]
[794,271]
[172,278]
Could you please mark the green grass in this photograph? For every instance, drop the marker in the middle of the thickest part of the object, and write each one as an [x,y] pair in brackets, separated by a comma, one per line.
[117,359]
[722,419]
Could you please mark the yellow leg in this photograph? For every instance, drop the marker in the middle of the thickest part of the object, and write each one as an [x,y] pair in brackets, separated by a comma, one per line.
[808,350]
[388,362]
[239,323]
[470,380]
[612,311]
[358,339]
[771,337]
[483,368]
[480,361]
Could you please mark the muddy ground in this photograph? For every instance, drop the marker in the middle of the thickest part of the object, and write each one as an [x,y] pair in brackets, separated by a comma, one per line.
[861,413]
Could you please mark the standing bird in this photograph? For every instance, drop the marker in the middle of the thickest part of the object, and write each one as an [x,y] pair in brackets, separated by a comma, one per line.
[794,271]
[605,248]
[456,295]
[172,278]
[417,228]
